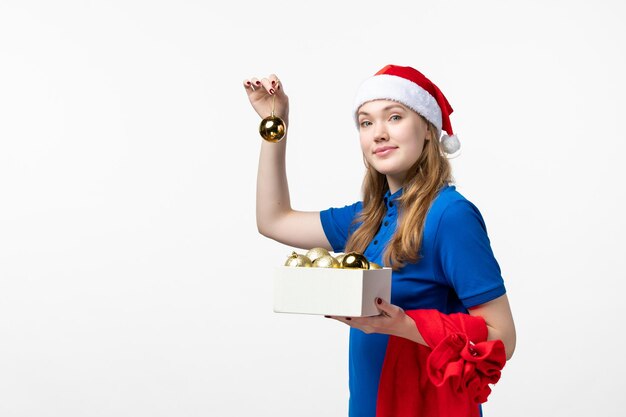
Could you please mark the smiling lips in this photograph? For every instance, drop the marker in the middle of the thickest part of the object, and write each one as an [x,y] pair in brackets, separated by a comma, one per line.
[384,150]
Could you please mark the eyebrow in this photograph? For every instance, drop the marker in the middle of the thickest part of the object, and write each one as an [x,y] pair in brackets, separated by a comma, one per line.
[387,108]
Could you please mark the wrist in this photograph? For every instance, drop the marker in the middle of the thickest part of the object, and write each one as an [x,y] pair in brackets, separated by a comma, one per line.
[410,330]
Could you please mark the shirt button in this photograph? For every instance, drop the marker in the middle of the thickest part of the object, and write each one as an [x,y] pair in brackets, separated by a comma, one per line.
[391,204]
[376,242]
[386,223]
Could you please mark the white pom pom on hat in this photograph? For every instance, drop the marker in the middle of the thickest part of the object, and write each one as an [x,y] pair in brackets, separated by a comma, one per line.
[410,87]
[450,144]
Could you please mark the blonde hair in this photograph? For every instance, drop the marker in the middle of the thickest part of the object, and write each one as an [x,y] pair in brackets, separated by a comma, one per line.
[424,179]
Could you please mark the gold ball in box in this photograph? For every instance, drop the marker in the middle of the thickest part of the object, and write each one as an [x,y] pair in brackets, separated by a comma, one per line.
[326,261]
[355,260]
[321,258]
[298,260]
[315,253]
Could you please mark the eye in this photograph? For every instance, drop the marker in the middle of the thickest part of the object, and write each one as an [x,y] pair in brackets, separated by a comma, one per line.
[395,117]
[365,123]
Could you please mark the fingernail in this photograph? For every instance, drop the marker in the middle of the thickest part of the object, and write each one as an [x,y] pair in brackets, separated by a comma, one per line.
[258,83]
[248,83]
[327,317]
[271,91]
[278,87]
[348,318]
[273,82]
[379,300]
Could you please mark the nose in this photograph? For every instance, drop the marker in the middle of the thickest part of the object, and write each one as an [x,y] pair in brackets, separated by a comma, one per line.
[380,133]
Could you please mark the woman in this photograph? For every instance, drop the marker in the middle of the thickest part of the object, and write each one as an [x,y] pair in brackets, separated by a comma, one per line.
[448,328]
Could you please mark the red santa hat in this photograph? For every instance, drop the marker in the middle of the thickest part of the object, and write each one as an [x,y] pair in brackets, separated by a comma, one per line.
[410,87]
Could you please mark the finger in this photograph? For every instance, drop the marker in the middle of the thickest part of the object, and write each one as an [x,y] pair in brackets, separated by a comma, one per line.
[274,81]
[248,84]
[385,307]
[255,82]
[267,84]
[346,320]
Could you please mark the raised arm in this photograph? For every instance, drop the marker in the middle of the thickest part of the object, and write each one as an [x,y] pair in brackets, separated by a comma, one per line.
[275,217]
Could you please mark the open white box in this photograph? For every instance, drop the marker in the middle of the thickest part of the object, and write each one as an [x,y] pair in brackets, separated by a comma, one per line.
[330,291]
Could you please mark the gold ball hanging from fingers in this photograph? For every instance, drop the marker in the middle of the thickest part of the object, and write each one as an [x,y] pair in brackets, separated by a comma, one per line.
[272,129]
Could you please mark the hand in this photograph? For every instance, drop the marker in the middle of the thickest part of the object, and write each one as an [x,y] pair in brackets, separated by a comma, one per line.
[392,321]
[265,93]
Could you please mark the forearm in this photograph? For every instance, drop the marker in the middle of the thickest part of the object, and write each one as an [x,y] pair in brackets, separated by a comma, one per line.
[497,318]
[506,334]
[274,215]
[411,332]
[272,193]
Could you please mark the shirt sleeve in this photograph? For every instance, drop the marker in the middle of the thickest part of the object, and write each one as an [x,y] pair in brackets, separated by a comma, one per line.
[338,224]
[465,256]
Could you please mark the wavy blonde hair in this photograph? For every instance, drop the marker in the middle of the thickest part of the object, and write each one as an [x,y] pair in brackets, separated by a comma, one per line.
[424,179]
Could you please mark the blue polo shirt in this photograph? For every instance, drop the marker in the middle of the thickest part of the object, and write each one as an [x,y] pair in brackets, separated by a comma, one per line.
[457,270]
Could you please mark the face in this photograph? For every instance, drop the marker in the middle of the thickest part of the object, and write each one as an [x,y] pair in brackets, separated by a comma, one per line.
[392,138]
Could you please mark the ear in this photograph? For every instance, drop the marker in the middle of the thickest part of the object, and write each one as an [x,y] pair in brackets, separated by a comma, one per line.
[428,130]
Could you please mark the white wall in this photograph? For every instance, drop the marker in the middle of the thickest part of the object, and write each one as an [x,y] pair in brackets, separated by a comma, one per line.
[132,278]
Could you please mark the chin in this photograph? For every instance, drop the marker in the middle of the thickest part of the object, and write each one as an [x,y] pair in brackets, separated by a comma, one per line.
[387,170]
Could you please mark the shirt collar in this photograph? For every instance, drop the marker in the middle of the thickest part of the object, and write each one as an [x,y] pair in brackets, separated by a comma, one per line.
[389,198]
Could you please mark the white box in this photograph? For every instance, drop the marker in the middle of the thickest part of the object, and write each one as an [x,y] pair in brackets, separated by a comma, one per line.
[330,291]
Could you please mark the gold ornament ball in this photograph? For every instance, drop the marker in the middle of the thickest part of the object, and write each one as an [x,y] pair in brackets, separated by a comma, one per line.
[272,129]
[340,257]
[375,266]
[326,261]
[355,260]
[315,253]
[298,260]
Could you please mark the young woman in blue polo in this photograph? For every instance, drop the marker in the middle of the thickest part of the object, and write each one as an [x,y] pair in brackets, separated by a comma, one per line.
[411,218]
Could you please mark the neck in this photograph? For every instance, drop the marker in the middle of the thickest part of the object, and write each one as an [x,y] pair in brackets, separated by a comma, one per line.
[394,184]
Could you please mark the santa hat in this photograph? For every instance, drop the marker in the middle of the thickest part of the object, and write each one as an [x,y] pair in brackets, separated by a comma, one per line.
[410,87]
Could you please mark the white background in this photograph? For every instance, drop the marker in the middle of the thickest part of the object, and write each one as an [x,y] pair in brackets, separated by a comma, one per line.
[133,281]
